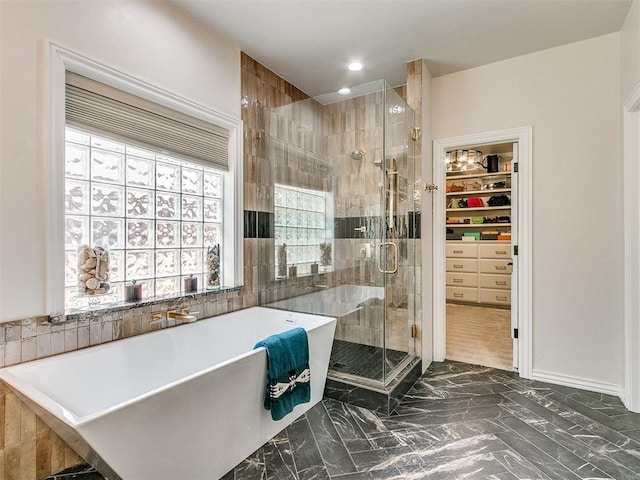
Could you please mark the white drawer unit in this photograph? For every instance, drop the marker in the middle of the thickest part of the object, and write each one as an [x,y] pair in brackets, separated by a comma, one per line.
[500,297]
[462,265]
[479,272]
[494,251]
[462,294]
[489,280]
[495,266]
[459,279]
[461,250]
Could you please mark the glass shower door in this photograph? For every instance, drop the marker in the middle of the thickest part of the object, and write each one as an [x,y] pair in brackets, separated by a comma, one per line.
[399,234]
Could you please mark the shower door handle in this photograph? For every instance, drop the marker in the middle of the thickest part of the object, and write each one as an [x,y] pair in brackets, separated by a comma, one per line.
[395,257]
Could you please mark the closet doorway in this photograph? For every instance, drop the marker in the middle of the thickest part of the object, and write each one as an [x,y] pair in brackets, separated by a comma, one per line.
[479,280]
[481,216]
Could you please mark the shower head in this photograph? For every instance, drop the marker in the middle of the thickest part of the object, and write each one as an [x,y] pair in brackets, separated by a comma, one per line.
[358,154]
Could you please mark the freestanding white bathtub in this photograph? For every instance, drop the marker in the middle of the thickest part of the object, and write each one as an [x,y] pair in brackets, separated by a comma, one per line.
[180,403]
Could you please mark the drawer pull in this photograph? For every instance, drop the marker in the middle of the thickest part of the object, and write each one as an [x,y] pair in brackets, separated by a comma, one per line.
[458,280]
[458,295]
[458,266]
[501,267]
[457,251]
[504,299]
[501,252]
[500,283]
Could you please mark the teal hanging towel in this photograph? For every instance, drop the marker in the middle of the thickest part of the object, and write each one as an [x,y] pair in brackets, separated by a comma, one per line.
[288,376]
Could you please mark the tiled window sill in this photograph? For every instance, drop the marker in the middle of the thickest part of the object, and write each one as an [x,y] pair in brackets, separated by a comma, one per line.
[97,310]
[34,338]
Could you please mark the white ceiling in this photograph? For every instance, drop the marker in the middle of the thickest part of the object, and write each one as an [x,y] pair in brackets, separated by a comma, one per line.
[310,42]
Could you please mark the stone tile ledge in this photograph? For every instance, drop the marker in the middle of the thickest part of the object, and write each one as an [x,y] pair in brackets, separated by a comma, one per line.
[34,338]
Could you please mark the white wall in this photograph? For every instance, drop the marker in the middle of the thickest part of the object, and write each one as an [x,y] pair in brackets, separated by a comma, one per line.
[630,51]
[629,79]
[148,40]
[570,95]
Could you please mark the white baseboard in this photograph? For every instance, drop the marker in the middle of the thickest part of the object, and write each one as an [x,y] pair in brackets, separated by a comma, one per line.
[581,383]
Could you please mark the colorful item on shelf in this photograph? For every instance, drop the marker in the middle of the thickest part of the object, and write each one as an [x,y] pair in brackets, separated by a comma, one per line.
[456,188]
[473,186]
[489,235]
[475,202]
[474,235]
[491,186]
[499,200]
[504,236]
[477,220]
[491,163]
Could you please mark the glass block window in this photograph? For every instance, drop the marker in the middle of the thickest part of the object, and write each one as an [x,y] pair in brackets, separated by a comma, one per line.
[300,229]
[157,215]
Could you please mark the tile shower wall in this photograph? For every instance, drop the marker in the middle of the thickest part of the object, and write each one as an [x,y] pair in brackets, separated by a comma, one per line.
[283,144]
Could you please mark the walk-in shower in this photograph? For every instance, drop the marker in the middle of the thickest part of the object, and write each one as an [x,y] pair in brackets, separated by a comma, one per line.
[345,232]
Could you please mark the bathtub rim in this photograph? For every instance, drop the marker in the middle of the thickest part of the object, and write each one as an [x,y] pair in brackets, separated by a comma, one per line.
[24,389]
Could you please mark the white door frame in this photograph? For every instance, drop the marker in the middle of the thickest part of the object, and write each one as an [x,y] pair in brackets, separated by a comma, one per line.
[631,202]
[523,136]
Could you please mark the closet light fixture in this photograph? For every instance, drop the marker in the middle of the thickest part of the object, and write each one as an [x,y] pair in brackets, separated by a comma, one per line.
[344,91]
[355,66]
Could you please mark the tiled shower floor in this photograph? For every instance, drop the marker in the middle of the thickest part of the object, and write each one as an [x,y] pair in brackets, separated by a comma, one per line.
[363,360]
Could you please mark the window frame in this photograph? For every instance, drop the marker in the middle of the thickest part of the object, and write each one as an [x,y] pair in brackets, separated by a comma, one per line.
[57,61]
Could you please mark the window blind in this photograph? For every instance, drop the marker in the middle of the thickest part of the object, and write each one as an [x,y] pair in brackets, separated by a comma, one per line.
[101,108]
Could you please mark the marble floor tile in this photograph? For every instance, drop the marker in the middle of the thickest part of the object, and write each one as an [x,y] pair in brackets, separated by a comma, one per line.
[518,466]
[334,454]
[459,422]
[464,422]
[543,462]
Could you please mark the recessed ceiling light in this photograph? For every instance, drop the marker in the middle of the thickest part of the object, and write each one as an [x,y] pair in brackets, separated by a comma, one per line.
[355,66]
[344,91]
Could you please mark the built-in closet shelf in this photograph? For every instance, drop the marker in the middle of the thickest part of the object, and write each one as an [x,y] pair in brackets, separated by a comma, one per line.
[477,225]
[506,207]
[486,192]
[478,192]
[454,176]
